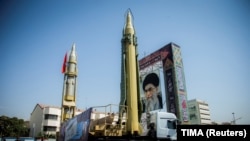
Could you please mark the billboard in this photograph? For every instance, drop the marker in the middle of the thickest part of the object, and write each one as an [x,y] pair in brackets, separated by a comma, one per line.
[180,84]
[76,128]
[184,110]
[151,94]
[170,92]
[168,60]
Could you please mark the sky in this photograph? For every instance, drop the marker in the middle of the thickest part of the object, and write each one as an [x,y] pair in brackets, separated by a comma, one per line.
[214,37]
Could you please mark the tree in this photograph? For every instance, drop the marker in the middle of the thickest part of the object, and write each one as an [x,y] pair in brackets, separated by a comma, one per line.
[13,127]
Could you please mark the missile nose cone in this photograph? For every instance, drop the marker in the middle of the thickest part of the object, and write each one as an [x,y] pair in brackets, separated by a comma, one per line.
[73,49]
[129,20]
[72,57]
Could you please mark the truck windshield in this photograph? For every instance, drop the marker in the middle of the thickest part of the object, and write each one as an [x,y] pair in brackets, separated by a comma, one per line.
[168,123]
[171,124]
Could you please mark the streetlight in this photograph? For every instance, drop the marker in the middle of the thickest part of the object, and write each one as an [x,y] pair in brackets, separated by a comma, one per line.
[233,119]
[34,126]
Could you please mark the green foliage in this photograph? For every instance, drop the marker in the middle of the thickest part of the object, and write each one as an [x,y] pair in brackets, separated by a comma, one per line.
[13,127]
[46,136]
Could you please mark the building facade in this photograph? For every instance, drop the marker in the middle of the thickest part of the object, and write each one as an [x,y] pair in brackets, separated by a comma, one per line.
[167,64]
[45,120]
[199,112]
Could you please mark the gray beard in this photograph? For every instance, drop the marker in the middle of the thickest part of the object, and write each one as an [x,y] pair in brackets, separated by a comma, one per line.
[152,103]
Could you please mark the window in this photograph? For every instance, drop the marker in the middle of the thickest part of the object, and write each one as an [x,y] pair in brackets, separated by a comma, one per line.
[49,128]
[172,124]
[192,108]
[168,123]
[192,116]
[49,116]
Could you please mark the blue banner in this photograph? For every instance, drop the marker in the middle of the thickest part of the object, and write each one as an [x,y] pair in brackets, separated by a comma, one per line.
[76,128]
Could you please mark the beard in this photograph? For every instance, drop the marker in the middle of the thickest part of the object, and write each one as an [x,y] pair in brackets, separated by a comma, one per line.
[152,103]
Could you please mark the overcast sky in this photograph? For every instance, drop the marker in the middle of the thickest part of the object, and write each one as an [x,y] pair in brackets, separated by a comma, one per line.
[214,37]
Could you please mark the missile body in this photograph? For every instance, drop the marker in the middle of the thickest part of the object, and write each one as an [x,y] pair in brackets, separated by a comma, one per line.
[69,87]
[130,74]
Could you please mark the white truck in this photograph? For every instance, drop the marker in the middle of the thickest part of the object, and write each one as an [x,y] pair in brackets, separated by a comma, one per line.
[159,125]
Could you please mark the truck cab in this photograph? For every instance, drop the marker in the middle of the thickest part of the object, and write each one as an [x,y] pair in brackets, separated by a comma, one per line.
[161,125]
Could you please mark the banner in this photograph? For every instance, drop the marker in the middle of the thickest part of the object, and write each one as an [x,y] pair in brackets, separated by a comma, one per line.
[170,92]
[151,91]
[76,128]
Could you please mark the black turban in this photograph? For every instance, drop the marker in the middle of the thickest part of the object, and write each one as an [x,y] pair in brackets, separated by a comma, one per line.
[151,78]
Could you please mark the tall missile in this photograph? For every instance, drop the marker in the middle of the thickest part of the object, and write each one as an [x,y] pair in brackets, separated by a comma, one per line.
[69,86]
[130,95]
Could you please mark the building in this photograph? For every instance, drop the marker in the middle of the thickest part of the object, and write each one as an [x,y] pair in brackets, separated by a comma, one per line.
[167,64]
[199,112]
[45,120]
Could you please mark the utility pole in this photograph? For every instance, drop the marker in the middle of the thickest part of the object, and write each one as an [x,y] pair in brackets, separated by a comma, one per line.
[234,120]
